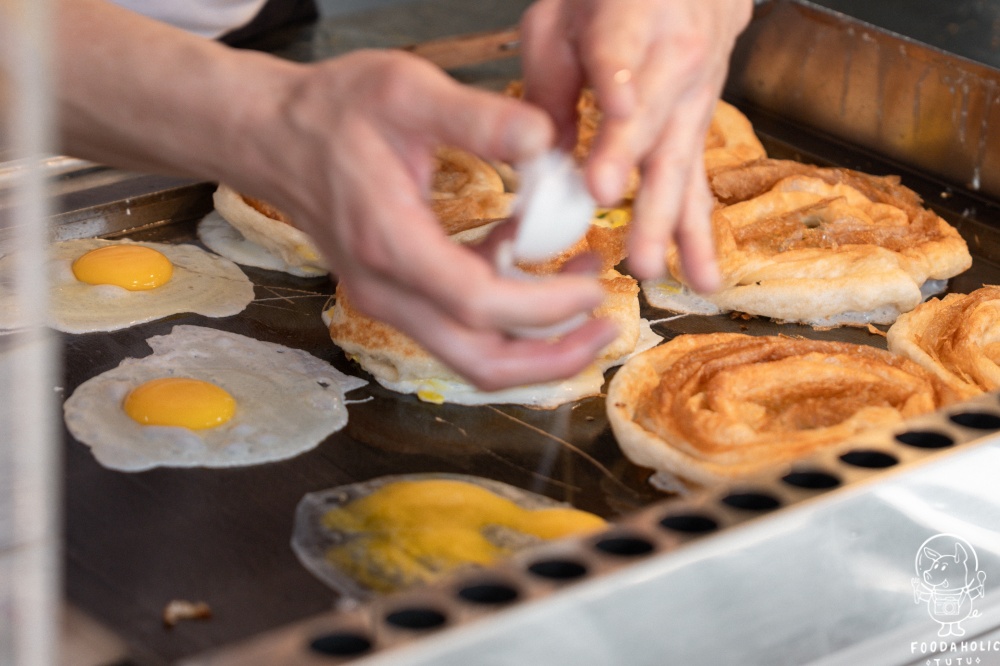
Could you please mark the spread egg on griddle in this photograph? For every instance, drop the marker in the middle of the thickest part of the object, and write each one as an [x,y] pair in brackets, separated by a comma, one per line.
[396,532]
[99,285]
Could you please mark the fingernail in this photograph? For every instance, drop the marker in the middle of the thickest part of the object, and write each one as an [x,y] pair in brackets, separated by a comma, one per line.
[610,183]
[587,264]
[651,264]
[625,97]
[608,335]
[526,139]
[709,280]
[597,296]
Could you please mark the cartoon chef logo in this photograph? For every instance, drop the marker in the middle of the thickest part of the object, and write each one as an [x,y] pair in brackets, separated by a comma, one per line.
[948,581]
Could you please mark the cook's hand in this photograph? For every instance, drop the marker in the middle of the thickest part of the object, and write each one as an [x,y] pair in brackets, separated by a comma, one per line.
[657,69]
[345,147]
[352,159]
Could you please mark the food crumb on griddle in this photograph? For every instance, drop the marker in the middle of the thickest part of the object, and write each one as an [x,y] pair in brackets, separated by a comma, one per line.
[179,609]
[876,331]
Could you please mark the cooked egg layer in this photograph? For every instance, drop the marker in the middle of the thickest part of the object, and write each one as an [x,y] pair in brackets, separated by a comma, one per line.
[208,398]
[612,218]
[180,401]
[132,267]
[102,298]
[407,532]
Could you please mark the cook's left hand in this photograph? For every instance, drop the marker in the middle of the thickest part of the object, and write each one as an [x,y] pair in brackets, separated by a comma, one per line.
[657,69]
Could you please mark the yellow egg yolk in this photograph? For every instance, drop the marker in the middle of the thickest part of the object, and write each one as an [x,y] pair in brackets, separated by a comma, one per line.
[432,392]
[132,267]
[408,532]
[612,218]
[179,401]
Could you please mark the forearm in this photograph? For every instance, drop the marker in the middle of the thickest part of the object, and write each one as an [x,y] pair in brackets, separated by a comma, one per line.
[139,94]
[345,147]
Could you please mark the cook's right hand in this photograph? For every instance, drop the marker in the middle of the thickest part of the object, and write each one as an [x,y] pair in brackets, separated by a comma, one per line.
[657,69]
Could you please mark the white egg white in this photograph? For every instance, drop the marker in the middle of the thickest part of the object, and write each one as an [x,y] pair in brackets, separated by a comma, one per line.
[202,283]
[288,401]
[668,294]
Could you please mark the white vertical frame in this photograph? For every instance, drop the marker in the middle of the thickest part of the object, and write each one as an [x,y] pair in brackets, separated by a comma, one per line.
[30,580]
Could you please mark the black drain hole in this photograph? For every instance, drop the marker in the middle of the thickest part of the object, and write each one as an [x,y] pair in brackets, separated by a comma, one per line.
[977,420]
[558,569]
[489,593]
[690,523]
[925,439]
[416,618]
[869,458]
[812,479]
[341,644]
[625,546]
[751,501]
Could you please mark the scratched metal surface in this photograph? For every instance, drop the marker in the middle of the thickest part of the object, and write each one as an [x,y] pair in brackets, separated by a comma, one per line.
[136,541]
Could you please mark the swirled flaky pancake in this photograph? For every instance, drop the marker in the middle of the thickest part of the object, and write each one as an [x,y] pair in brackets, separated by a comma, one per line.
[731,140]
[467,194]
[265,226]
[605,238]
[721,406]
[400,364]
[820,246]
[956,337]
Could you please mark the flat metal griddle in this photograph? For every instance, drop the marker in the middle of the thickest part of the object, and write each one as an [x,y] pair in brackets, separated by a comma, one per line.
[135,541]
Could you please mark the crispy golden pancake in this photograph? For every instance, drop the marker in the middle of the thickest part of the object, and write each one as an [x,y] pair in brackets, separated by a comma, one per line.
[721,406]
[820,246]
[267,210]
[731,140]
[956,337]
[467,194]
[400,364]
[605,237]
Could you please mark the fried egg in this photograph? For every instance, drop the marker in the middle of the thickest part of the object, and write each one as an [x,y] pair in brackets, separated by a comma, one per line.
[208,398]
[101,285]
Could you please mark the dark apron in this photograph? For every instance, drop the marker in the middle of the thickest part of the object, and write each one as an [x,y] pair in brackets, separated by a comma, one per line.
[273,15]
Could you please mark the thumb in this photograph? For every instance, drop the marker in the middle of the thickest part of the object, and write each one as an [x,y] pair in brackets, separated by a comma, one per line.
[489,124]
